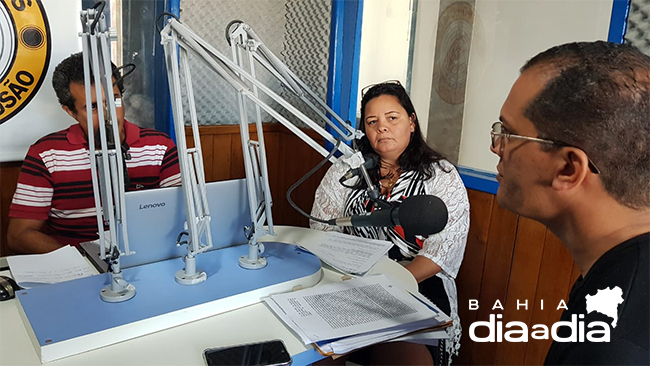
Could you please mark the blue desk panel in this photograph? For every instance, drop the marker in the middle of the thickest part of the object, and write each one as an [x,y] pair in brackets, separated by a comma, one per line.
[72,309]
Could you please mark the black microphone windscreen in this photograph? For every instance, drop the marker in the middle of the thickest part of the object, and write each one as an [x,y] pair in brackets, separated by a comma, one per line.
[371,161]
[423,215]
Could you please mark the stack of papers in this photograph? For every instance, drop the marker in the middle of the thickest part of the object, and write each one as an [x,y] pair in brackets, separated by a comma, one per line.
[57,266]
[350,254]
[343,316]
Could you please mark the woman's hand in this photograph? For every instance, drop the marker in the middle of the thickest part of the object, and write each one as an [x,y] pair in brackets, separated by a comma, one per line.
[422,268]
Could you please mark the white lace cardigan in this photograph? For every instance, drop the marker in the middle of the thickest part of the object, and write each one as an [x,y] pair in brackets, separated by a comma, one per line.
[445,248]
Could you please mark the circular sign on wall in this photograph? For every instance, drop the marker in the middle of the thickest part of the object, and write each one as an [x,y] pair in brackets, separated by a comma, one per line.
[452,52]
[25,47]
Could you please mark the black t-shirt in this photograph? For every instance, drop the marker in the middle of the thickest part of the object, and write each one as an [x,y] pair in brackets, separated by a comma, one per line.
[625,266]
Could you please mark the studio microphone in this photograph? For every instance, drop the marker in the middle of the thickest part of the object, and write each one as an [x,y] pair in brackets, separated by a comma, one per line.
[371,161]
[418,215]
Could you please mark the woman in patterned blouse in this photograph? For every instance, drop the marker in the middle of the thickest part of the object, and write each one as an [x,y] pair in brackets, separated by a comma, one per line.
[408,167]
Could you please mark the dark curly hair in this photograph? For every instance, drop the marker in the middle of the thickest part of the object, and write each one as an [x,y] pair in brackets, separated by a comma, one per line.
[71,70]
[418,156]
[598,99]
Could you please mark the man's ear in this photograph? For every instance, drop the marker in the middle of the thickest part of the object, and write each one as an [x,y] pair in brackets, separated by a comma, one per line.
[571,169]
[69,111]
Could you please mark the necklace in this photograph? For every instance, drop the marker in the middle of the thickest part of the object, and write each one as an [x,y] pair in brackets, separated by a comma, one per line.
[391,178]
[391,183]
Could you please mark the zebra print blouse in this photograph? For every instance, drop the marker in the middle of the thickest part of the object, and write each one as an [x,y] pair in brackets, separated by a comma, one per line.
[445,248]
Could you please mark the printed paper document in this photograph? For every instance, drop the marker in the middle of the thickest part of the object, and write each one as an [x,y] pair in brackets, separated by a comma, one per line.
[63,264]
[347,315]
[350,254]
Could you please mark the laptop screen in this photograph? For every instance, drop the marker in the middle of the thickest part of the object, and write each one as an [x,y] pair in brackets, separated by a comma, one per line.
[155,218]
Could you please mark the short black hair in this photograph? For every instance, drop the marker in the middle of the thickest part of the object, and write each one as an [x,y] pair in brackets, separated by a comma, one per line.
[71,70]
[598,99]
[418,156]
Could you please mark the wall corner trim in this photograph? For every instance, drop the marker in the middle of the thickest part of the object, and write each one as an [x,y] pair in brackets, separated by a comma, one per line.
[479,180]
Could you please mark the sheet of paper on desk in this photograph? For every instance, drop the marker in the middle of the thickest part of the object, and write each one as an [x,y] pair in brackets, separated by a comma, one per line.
[347,315]
[349,344]
[418,332]
[63,264]
[350,254]
[430,338]
[410,333]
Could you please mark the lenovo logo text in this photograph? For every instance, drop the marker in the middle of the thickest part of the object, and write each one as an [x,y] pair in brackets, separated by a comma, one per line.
[152,205]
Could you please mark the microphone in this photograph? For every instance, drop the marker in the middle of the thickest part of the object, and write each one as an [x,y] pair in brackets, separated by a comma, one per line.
[371,161]
[418,215]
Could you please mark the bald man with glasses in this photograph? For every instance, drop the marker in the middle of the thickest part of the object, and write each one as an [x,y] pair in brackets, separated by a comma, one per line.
[573,140]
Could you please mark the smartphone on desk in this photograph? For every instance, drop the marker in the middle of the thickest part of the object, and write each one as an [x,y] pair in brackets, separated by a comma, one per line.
[268,353]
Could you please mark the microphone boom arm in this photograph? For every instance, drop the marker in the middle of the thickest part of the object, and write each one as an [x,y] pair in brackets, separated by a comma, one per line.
[107,164]
[247,48]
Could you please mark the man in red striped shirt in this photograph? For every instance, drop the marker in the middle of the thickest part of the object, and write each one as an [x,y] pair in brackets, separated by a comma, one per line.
[54,204]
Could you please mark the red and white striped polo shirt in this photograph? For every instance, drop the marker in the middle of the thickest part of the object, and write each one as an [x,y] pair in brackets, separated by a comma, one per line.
[55,182]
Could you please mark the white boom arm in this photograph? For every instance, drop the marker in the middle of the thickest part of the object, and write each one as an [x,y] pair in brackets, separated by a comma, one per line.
[106,163]
[178,39]
[191,165]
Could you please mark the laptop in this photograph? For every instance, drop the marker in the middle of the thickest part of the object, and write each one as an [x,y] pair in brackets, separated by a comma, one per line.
[155,218]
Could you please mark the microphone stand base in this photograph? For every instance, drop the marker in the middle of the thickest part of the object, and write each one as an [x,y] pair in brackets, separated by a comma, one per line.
[247,263]
[108,295]
[184,279]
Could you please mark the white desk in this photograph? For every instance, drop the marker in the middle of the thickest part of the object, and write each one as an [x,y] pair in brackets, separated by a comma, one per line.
[184,345]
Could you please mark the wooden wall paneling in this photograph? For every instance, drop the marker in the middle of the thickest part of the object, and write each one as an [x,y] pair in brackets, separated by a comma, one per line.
[221,157]
[288,158]
[498,260]
[208,156]
[217,148]
[9,172]
[280,205]
[297,159]
[470,275]
[272,143]
[206,150]
[552,286]
[237,168]
[526,263]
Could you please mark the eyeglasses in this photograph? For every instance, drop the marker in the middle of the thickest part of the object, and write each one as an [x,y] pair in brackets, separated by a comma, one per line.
[499,132]
[365,90]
